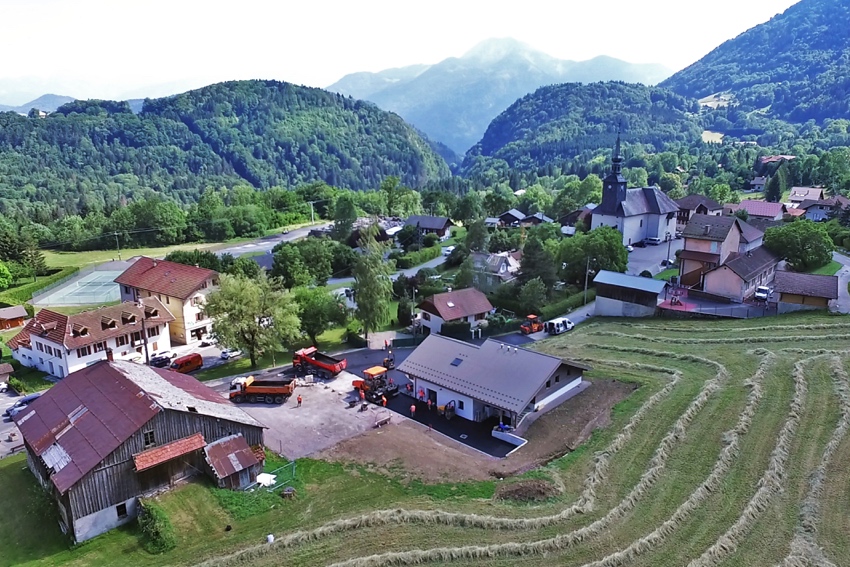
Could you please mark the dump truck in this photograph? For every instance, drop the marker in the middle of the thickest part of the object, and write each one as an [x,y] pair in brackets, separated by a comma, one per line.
[309,357]
[375,384]
[532,324]
[252,390]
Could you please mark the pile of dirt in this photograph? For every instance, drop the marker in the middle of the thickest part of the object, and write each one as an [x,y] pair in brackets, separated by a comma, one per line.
[533,490]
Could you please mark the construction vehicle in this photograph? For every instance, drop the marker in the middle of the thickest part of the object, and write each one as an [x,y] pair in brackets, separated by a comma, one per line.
[389,361]
[309,357]
[375,384]
[532,324]
[248,389]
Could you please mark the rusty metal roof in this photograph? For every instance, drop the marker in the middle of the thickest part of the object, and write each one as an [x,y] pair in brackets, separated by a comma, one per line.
[158,455]
[229,455]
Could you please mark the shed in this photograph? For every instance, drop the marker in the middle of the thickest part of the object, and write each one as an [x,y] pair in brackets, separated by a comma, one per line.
[11,317]
[798,292]
[621,295]
[232,462]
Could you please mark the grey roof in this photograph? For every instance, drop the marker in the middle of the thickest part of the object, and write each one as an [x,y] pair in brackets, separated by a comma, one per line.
[691,202]
[749,233]
[709,227]
[810,285]
[763,224]
[648,285]
[491,221]
[645,200]
[518,215]
[13,312]
[427,223]
[539,216]
[494,373]
[750,264]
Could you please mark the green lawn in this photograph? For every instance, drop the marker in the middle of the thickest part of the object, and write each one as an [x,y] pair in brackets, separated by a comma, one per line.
[827,270]
[458,235]
[666,274]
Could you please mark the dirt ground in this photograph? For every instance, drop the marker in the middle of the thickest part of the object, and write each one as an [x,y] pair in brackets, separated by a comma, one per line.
[412,449]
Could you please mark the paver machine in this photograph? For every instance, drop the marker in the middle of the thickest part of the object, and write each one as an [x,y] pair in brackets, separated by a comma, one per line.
[375,384]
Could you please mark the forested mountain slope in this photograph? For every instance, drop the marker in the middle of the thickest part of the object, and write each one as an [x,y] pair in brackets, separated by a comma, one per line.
[91,154]
[795,66]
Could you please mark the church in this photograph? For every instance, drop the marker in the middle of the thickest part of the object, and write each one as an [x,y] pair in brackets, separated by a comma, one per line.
[639,213]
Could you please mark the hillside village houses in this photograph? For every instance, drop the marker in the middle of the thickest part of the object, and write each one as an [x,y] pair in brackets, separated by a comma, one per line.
[463,305]
[823,209]
[431,225]
[182,289]
[494,269]
[639,213]
[61,344]
[758,209]
[695,204]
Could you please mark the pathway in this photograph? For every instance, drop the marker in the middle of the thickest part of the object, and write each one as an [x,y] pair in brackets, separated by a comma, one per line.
[843,303]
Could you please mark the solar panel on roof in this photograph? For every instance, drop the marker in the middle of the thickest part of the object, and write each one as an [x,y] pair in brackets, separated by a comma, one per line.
[457,361]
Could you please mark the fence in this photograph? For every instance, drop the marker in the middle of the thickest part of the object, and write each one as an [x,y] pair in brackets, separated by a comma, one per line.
[58,283]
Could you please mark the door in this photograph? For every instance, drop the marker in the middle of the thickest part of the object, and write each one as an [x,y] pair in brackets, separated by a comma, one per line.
[432,395]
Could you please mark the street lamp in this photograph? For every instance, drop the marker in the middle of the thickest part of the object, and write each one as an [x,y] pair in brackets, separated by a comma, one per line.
[586,274]
[141,306]
[669,242]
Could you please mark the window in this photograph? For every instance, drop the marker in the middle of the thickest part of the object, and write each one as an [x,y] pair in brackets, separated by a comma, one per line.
[48,350]
[84,351]
[460,404]
[154,347]
[126,289]
[557,378]
[149,438]
[39,346]
[121,510]
[641,222]
[121,340]
[137,336]
[167,301]
[99,347]
[426,316]
[199,316]
[548,383]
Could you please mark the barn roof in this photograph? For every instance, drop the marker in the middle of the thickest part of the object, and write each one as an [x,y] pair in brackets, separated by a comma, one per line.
[639,283]
[229,455]
[426,222]
[158,455]
[810,285]
[13,312]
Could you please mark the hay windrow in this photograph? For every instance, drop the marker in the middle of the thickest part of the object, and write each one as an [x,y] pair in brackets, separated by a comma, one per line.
[737,340]
[702,329]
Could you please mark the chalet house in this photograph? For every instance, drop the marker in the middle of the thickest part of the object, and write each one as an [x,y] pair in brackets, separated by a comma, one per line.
[758,209]
[823,209]
[493,270]
[494,380]
[738,277]
[428,225]
[11,317]
[710,241]
[638,213]
[800,194]
[116,431]
[61,344]
[695,205]
[798,292]
[766,160]
[535,219]
[511,218]
[757,184]
[462,305]
[182,289]
[577,216]
[621,295]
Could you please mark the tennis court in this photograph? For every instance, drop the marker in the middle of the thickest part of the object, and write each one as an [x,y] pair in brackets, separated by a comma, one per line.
[94,286]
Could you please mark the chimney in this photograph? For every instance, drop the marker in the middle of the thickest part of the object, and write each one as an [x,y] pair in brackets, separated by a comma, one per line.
[707,228]
[109,356]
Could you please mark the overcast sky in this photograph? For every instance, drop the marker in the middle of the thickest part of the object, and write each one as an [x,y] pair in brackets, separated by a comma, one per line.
[122,49]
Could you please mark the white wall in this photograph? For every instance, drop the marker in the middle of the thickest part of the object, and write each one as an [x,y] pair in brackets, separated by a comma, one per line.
[607,307]
[444,396]
[100,522]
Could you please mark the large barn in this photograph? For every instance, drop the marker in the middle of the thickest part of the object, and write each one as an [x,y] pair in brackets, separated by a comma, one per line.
[115,431]
[620,295]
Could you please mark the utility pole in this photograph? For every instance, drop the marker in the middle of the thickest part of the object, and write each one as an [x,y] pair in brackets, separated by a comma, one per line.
[312,216]
[117,246]
[669,242]
[141,306]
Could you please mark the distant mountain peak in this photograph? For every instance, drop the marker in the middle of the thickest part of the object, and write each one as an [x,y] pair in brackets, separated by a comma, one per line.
[495,49]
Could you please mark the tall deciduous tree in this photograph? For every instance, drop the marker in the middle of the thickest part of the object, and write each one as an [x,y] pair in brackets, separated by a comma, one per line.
[345,214]
[477,236]
[372,282]
[773,189]
[532,295]
[537,262]
[466,274]
[253,315]
[319,311]
[5,277]
[290,268]
[600,249]
[806,245]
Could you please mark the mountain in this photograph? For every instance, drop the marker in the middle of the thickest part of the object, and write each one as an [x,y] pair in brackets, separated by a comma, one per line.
[47,103]
[453,101]
[262,133]
[556,123]
[795,67]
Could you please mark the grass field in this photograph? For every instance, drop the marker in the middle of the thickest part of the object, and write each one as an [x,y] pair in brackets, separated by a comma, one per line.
[828,270]
[733,452]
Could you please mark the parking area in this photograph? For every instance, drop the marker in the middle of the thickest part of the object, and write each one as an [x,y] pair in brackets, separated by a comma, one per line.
[7,427]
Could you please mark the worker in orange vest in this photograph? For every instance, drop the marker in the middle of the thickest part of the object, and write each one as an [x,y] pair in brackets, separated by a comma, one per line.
[362,396]
[421,395]
[384,401]
[299,400]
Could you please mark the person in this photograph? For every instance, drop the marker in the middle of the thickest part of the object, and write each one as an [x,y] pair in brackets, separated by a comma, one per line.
[409,388]
[391,381]
[299,400]
[421,395]
[384,401]
[362,395]
[429,404]
[386,344]
[412,410]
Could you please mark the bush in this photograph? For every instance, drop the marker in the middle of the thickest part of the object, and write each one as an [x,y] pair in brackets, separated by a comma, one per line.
[566,305]
[412,259]
[352,334]
[404,312]
[156,527]
[458,330]
[430,240]
[17,385]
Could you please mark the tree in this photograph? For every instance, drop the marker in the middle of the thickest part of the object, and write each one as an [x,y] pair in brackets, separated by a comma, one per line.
[469,208]
[319,311]
[503,240]
[466,274]
[477,236]
[408,236]
[245,267]
[5,277]
[773,190]
[600,249]
[372,282]
[252,315]
[532,296]
[742,214]
[637,177]
[721,193]
[537,262]
[201,258]
[289,267]
[806,245]
[345,215]
[671,182]
[317,255]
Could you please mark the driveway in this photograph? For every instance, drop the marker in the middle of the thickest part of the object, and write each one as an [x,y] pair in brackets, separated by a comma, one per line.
[842,305]
[650,258]
[7,426]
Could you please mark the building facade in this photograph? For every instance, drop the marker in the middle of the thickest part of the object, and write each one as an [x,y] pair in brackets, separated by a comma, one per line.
[621,295]
[12,317]
[460,306]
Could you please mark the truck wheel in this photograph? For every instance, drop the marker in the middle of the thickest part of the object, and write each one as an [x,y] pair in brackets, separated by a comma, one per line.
[238,398]
[252,399]
[278,399]
[269,399]
[285,399]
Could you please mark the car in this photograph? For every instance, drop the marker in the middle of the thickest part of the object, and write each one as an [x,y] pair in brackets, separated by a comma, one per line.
[630,248]
[3,387]
[161,359]
[678,234]
[229,353]
[209,341]
[668,262]
[762,293]
[447,251]
[654,240]
[21,403]
[639,244]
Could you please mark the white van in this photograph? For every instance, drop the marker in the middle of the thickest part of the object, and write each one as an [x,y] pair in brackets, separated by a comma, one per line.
[654,240]
[558,326]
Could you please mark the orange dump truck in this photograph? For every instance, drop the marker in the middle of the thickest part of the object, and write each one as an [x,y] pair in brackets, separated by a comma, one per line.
[269,391]
[303,359]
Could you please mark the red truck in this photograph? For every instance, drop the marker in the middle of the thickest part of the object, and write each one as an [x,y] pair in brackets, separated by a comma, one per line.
[310,356]
[253,391]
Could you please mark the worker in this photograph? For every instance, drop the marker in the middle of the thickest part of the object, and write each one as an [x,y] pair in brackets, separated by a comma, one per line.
[421,395]
[386,344]
[412,410]
[429,404]
[299,400]
[384,401]
[409,388]
[391,381]
[362,395]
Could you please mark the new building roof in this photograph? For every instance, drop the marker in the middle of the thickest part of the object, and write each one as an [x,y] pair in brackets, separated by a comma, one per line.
[13,312]
[425,222]
[158,455]
[691,202]
[456,304]
[810,285]
[709,227]
[495,373]
[78,422]
[617,279]
[166,278]
[759,208]
[229,455]
[750,264]
[90,327]
[800,194]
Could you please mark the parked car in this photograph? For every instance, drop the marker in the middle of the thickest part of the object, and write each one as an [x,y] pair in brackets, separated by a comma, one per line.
[630,248]
[762,293]
[3,387]
[188,363]
[229,353]
[161,359]
[639,244]
[668,262]
[448,250]
[678,234]
[21,404]
[209,341]
[654,240]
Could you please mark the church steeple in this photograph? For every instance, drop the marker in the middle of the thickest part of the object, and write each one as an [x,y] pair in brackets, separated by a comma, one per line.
[614,185]
[617,158]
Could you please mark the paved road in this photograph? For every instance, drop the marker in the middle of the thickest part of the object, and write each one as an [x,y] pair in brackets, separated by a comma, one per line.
[6,425]
[266,243]
[843,303]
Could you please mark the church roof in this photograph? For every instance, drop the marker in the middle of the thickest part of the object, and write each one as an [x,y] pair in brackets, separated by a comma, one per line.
[642,201]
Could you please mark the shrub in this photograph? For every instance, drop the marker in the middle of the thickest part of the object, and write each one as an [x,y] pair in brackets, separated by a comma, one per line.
[17,385]
[430,240]
[458,330]
[23,293]
[352,334]
[566,305]
[157,528]
[412,259]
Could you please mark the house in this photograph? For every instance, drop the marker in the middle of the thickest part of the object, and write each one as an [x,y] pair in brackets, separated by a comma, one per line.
[61,344]
[182,289]
[116,431]
[6,371]
[823,209]
[581,215]
[535,219]
[764,160]
[493,270]
[462,305]
[11,317]
[798,292]
[428,225]
[758,209]
[494,380]
[620,295]
[739,276]
[511,218]
[492,222]
[695,205]
[757,184]
[800,194]
[709,241]
[638,213]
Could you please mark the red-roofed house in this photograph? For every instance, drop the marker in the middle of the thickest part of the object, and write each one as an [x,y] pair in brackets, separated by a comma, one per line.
[462,305]
[759,209]
[60,344]
[115,431]
[181,288]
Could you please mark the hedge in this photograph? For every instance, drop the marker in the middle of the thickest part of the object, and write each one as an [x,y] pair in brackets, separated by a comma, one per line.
[456,330]
[154,523]
[23,293]
[566,305]
[413,259]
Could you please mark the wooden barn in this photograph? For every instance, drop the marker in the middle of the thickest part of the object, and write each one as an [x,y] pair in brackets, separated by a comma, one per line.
[115,431]
[620,295]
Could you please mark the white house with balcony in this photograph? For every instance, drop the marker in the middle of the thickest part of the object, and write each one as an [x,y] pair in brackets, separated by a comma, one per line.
[460,306]
[60,344]
[181,288]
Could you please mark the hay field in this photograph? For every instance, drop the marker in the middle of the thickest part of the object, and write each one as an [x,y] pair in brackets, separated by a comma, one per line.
[734,452]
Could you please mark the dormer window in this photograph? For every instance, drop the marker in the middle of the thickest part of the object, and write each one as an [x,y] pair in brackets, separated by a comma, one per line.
[107,323]
[78,330]
[127,317]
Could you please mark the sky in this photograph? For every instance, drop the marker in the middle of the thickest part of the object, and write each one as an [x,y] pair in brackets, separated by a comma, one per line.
[118,49]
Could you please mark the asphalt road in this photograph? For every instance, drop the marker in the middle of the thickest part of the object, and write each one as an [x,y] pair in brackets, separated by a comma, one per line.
[6,425]
[266,243]
[843,303]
